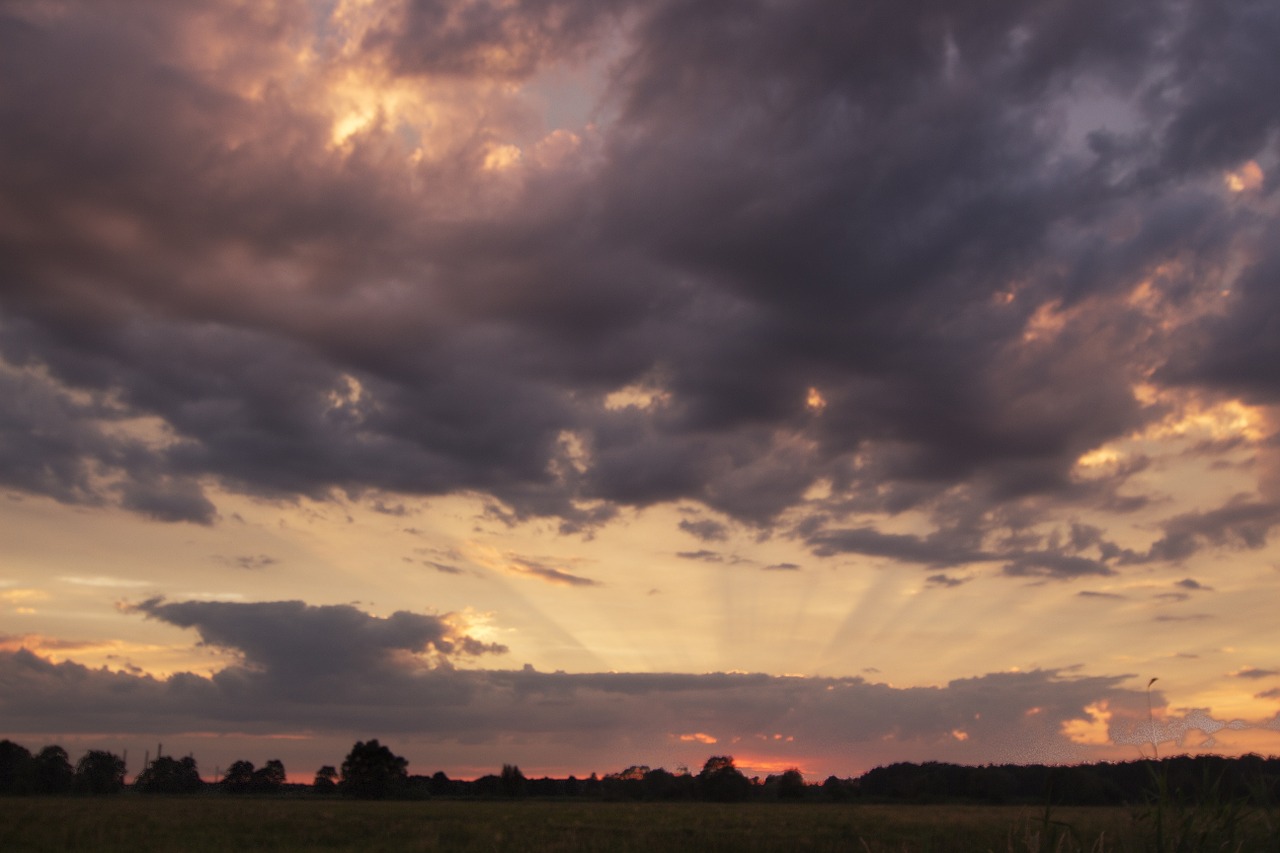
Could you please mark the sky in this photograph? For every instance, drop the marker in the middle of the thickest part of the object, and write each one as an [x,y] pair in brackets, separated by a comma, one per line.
[582,384]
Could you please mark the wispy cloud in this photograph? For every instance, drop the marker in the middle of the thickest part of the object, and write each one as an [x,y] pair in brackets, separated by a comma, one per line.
[105,582]
[550,574]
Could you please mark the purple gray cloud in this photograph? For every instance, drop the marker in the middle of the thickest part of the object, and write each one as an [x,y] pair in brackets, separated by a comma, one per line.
[932,217]
[330,670]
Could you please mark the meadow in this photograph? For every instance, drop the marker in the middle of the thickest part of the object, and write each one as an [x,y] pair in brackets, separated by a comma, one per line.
[139,824]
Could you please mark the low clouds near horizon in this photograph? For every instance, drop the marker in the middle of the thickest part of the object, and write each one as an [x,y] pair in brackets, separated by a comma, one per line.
[323,671]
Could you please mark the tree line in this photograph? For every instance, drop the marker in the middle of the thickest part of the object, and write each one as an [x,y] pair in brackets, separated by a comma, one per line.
[372,771]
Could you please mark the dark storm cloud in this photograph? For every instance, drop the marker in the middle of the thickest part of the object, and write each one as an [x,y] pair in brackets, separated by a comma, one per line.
[886,248]
[1222,60]
[1220,122]
[296,646]
[1239,350]
[48,443]
[336,669]
[168,500]
[480,37]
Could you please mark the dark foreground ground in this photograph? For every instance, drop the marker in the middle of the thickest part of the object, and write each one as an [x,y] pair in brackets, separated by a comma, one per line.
[137,824]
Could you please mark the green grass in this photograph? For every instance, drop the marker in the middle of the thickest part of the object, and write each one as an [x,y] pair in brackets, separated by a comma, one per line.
[139,824]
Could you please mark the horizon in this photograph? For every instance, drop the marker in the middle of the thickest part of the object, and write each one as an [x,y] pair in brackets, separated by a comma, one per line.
[568,384]
[751,773]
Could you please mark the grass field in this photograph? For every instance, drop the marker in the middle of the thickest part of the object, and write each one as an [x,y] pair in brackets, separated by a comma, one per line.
[138,824]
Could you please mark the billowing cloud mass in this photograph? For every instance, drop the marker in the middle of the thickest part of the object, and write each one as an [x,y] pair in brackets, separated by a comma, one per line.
[975,289]
[289,640]
[325,247]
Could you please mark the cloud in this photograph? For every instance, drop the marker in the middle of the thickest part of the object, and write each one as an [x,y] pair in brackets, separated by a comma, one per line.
[934,551]
[331,673]
[706,529]
[960,545]
[945,580]
[702,554]
[550,574]
[1008,716]
[296,647]
[1255,673]
[250,562]
[104,581]
[1055,565]
[480,38]
[377,278]
[446,568]
[1241,523]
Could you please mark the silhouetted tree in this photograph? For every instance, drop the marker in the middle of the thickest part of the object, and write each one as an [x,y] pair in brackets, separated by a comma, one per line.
[787,786]
[326,781]
[13,767]
[722,782]
[839,790]
[660,784]
[239,778]
[270,777]
[100,772]
[166,775]
[51,771]
[513,782]
[371,771]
